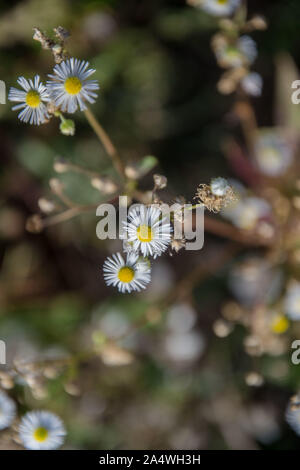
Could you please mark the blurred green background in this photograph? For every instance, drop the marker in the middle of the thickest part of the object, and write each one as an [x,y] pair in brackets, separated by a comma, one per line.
[158,97]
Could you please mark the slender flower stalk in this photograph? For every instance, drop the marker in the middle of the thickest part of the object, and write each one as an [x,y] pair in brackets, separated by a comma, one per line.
[106,142]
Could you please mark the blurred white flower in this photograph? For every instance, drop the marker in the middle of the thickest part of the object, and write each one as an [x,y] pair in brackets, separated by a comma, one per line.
[237,54]
[7,410]
[254,280]
[252,84]
[273,154]
[292,414]
[183,347]
[247,212]
[181,318]
[292,301]
[114,324]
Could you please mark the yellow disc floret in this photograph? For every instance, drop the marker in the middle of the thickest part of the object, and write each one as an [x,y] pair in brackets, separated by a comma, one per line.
[222,2]
[40,434]
[73,85]
[126,274]
[144,233]
[33,99]
[279,324]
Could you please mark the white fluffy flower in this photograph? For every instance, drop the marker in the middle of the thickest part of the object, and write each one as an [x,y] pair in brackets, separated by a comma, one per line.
[69,86]
[219,186]
[31,99]
[7,410]
[217,7]
[132,274]
[292,301]
[41,430]
[148,230]
[252,84]
[273,154]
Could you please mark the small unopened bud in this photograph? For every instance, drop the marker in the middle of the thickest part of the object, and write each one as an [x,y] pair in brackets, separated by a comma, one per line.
[60,165]
[104,184]
[222,328]
[131,172]
[46,205]
[56,185]
[67,127]
[34,224]
[253,379]
[258,22]
[160,181]
[57,49]
[72,389]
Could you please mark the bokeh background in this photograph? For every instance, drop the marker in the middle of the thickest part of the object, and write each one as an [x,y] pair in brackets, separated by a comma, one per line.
[177,384]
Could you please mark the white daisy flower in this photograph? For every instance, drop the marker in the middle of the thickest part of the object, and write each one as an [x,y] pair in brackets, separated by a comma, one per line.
[41,430]
[31,99]
[273,154]
[7,410]
[129,275]
[217,7]
[292,415]
[252,84]
[70,88]
[292,301]
[148,230]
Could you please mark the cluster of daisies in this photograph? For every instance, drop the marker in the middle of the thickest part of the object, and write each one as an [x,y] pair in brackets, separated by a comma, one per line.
[147,234]
[38,430]
[67,89]
[234,52]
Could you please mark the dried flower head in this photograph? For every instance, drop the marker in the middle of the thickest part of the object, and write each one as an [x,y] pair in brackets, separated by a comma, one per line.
[217,195]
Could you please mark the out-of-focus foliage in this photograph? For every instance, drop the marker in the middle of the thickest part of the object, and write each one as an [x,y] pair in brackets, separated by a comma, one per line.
[182,379]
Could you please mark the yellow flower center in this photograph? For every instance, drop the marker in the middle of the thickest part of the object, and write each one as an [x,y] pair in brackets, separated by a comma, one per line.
[144,233]
[222,2]
[73,85]
[126,274]
[279,324]
[33,99]
[40,434]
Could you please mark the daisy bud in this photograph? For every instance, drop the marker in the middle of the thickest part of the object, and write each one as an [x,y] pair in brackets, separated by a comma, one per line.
[60,165]
[56,185]
[67,127]
[258,22]
[46,205]
[253,379]
[104,184]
